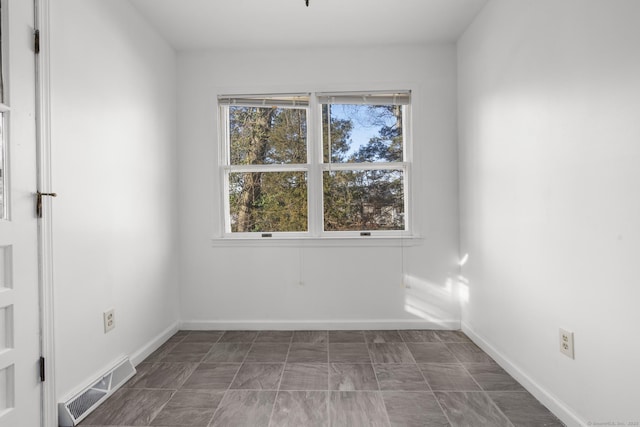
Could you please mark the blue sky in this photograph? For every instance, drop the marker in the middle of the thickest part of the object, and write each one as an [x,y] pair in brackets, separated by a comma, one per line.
[363,130]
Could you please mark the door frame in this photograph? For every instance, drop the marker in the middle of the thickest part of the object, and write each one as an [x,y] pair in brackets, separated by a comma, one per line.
[45,234]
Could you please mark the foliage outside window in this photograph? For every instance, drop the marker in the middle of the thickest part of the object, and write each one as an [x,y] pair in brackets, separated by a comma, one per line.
[349,176]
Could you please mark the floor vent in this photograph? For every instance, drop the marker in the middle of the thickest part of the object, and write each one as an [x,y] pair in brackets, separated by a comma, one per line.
[75,409]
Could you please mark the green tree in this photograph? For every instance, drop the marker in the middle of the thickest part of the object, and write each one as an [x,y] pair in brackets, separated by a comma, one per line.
[277,201]
[371,199]
[335,137]
[267,201]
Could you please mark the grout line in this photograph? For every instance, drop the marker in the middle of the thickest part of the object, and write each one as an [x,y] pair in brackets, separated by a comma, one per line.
[328,392]
[454,355]
[163,406]
[434,396]
[441,408]
[197,366]
[472,377]
[429,385]
[328,383]
[234,377]
[411,354]
[483,391]
[424,378]
[328,395]
[375,373]
[211,349]
[432,391]
[384,405]
[151,389]
[284,366]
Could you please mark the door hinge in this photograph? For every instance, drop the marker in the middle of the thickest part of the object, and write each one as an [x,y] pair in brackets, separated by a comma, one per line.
[41,369]
[36,41]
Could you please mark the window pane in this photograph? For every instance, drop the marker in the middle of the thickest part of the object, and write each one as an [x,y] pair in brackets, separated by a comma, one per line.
[363,200]
[362,133]
[267,135]
[268,201]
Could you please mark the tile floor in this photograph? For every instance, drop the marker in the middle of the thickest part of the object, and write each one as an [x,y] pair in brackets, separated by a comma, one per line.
[321,378]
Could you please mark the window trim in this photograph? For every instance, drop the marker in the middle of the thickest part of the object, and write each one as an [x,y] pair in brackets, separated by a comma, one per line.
[227,168]
[315,167]
[310,241]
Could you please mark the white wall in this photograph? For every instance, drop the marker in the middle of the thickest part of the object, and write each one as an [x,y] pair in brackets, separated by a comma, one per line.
[248,287]
[114,169]
[549,99]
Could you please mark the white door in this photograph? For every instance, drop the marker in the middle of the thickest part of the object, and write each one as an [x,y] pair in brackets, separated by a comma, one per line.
[20,387]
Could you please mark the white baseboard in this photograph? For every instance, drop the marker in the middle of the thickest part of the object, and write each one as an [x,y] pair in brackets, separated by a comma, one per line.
[548,399]
[230,325]
[154,344]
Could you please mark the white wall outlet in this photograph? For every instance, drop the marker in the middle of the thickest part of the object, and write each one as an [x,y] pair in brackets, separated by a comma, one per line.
[566,343]
[109,320]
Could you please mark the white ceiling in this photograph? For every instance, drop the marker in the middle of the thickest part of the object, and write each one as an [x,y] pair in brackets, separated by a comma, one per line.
[202,24]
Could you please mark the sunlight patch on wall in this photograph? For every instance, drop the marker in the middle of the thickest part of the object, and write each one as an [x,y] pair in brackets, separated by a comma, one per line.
[429,301]
[463,282]
[463,289]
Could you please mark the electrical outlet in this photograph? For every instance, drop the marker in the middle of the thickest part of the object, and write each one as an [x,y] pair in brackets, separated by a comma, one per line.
[109,320]
[566,343]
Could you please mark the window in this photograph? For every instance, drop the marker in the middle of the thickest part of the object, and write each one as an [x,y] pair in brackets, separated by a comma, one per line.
[266,164]
[315,165]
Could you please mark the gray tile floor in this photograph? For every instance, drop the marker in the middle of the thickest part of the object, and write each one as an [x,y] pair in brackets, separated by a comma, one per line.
[321,378]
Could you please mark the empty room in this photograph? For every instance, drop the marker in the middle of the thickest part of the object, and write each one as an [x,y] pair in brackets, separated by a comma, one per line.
[319,213]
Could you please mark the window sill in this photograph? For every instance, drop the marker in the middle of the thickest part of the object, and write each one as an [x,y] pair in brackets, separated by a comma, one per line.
[317,242]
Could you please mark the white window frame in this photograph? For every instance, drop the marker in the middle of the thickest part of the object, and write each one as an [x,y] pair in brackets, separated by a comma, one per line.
[314,168]
[227,168]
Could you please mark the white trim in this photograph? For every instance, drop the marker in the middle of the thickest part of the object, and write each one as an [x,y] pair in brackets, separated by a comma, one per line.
[222,183]
[5,211]
[282,240]
[364,166]
[548,399]
[283,100]
[315,205]
[291,325]
[267,167]
[45,235]
[409,181]
[155,343]
[377,97]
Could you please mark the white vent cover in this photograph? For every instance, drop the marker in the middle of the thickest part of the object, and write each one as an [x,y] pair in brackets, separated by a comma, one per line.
[81,404]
